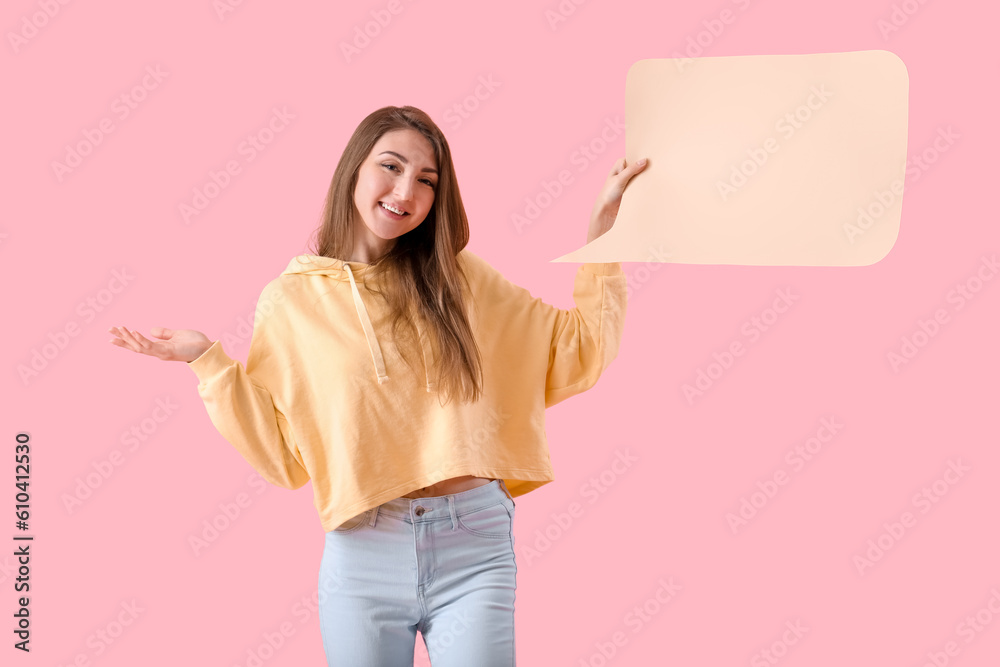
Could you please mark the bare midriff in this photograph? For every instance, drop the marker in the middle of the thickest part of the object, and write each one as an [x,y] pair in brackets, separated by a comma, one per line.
[447,486]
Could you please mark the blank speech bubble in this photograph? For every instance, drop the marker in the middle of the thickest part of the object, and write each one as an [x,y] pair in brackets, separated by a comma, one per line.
[762,160]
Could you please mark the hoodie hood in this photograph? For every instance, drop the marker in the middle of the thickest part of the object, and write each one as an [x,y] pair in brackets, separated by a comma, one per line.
[351,272]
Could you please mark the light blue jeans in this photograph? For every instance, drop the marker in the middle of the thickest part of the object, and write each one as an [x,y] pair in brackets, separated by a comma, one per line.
[443,566]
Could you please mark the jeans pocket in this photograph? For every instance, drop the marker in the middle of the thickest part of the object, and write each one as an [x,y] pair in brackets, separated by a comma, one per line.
[492,522]
[354,523]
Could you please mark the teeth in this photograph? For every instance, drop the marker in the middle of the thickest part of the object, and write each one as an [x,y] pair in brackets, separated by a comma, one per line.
[394,210]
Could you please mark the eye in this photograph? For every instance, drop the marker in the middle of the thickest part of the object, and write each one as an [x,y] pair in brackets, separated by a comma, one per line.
[389,165]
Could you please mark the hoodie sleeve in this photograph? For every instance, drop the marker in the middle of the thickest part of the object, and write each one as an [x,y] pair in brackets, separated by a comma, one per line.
[585,339]
[571,347]
[241,407]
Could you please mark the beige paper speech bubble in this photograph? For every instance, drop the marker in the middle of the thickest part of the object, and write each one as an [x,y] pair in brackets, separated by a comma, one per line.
[761,160]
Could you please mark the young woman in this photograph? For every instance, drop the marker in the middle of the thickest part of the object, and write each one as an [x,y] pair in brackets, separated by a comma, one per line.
[415,464]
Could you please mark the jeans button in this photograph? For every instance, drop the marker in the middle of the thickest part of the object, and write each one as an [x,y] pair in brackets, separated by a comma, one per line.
[419,511]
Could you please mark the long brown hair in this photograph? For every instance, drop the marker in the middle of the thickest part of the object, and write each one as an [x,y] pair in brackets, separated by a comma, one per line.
[421,271]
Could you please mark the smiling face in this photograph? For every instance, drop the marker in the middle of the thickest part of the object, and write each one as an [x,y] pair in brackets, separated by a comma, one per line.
[400,171]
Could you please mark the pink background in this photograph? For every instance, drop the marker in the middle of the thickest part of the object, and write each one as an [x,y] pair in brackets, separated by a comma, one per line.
[661,518]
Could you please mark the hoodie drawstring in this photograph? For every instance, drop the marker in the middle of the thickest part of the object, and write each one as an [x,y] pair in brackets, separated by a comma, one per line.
[366,324]
[424,344]
[373,345]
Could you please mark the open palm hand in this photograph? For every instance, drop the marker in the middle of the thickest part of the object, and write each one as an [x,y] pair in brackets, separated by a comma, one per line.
[174,344]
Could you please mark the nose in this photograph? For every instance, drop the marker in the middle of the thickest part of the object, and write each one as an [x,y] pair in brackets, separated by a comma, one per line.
[404,189]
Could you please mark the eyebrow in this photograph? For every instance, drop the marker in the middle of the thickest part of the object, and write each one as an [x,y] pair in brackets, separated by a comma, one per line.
[405,161]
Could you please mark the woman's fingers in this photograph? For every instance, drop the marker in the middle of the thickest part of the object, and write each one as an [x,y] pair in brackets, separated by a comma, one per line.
[622,174]
[141,340]
[117,340]
[144,345]
[129,338]
[633,168]
[621,166]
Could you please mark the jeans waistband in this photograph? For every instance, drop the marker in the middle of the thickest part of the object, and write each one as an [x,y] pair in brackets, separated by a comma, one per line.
[428,509]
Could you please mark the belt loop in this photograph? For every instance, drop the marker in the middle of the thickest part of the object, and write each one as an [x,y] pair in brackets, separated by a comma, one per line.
[503,485]
[374,513]
[451,509]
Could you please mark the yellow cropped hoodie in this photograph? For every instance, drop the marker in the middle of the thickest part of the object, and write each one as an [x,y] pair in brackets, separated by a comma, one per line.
[325,394]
